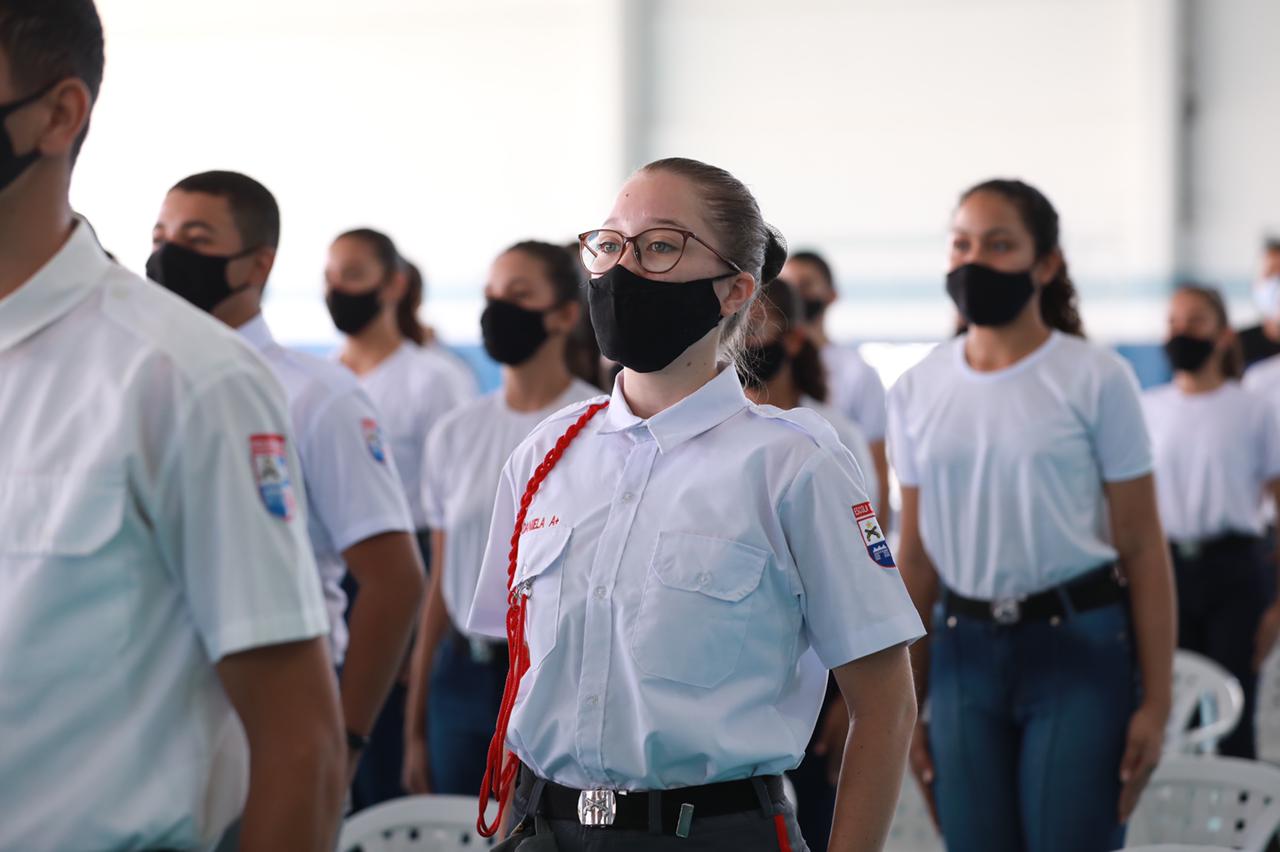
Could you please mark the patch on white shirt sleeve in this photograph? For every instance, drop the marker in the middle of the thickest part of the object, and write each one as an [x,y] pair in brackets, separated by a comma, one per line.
[271,472]
[873,536]
[373,439]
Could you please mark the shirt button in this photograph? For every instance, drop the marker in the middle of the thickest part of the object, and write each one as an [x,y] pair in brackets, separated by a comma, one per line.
[593,700]
[704,578]
[600,592]
[628,497]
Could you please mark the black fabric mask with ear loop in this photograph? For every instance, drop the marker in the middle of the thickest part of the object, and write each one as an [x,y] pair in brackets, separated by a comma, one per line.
[1188,354]
[988,297]
[760,364]
[13,164]
[644,324]
[512,334]
[814,308]
[201,279]
[352,312]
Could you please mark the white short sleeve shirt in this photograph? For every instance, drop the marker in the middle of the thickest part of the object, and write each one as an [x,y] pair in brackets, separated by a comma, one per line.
[461,376]
[682,569]
[412,390]
[463,462]
[1215,453]
[152,522]
[353,491]
[1011,464]
[855,390]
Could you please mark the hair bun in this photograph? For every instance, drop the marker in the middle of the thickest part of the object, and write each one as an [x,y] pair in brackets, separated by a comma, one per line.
[775,253]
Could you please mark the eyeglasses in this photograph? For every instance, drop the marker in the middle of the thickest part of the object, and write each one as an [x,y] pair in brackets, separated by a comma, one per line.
[657,250]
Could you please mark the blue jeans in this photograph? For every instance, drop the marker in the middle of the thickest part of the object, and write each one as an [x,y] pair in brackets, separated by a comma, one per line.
[1027,730]
[462,710]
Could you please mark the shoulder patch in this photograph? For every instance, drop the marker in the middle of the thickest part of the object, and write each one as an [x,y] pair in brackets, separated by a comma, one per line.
[873,536]
[373,439]
[271,472]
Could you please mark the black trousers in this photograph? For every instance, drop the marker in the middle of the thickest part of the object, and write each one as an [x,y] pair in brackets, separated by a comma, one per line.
[1224,586]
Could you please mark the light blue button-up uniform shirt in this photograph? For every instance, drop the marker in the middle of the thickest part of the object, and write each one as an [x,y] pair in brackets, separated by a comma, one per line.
[693,576]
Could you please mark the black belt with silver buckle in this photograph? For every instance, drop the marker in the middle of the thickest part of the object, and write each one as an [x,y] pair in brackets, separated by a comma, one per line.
[629,811]
[1098,588]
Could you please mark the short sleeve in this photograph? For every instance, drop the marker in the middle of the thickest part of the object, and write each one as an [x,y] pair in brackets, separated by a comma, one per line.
[351,476]
[489,607]
[435,460]
[867,403]
[232,524]
[900,449]
[1121,440]
[853,605]
[1269,442]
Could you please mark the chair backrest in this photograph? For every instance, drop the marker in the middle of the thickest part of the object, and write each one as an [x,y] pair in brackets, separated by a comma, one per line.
[1176,847]
[1221,801]
[1268,720]
[1201,684]
[912,829]
[415,824]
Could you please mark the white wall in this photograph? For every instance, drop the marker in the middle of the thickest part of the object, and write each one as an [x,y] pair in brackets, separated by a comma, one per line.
[460,126]
[1234,153]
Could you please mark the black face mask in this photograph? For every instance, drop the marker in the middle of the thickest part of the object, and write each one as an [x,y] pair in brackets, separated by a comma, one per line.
[352,312]
[762,363]
[987,297]
[813,308]
[644,324]
[13,164]
[1188,354]
[512,334]
[201,279]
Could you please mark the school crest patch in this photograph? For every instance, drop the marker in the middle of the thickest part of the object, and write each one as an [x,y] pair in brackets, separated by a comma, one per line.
[373,439]
[271,472]
[873,535]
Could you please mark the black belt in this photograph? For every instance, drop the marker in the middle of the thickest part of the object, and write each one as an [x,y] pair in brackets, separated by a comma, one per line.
[1098,588]
[631,810]
[1232,542]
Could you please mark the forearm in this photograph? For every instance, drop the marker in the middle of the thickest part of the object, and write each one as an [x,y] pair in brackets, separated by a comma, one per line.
[295,795]
[432,626]
[875,757]
[1154,618]
[380,626]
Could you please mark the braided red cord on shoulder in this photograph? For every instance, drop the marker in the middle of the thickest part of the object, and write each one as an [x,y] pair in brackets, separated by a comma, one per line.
[499,779]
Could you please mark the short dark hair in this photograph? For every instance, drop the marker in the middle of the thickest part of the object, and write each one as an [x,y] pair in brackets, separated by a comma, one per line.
[51,40]
[253,207]
[1271,243]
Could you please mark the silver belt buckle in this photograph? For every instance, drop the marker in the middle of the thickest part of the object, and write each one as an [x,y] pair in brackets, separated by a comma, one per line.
[1006,611]
[597,808]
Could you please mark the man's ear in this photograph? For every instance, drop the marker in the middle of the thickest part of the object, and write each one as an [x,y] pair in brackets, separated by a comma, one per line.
[71,105]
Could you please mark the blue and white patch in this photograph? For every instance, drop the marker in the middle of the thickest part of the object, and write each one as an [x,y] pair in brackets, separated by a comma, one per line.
[271,472]
[373,439]
[873,536]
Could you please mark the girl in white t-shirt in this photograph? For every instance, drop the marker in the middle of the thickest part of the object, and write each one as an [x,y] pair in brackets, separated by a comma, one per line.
[457,677]
[1217,456]
[1018,446]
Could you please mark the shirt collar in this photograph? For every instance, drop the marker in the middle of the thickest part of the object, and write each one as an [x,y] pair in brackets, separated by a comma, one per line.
[57,287]
[257,333]
[704,409]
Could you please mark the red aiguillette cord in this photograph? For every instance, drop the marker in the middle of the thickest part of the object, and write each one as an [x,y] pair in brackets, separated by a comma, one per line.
[499,779]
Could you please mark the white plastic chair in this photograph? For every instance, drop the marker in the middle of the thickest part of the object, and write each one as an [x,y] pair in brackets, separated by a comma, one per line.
[415,824]
[1201,684]
[1221,801]
[1177,847]
[912,829]
[1268,720]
